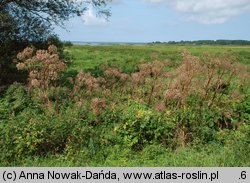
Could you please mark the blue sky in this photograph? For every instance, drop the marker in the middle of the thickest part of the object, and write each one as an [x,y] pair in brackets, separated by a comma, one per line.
[163,20]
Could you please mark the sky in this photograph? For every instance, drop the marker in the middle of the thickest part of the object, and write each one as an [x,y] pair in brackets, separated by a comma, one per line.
[162,20]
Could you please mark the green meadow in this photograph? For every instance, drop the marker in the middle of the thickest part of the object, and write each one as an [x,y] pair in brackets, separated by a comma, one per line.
[89,57]
[127,105]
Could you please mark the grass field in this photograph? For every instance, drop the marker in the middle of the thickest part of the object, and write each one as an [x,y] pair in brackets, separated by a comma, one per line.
[127,57]
[129,131]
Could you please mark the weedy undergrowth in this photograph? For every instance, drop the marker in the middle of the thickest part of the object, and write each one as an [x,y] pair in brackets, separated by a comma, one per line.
[192,103]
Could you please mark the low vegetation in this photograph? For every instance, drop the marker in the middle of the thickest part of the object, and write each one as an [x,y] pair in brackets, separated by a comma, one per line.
[207,42]
[183,109]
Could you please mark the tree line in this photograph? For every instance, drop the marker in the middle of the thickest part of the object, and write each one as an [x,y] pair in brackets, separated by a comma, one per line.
[206,42]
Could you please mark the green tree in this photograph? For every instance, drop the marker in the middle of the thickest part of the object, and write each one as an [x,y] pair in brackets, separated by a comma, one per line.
[35,19]
[26,21]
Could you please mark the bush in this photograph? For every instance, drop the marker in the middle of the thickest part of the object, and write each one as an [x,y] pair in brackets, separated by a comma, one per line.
[67,43]
[139,125]
[14,101]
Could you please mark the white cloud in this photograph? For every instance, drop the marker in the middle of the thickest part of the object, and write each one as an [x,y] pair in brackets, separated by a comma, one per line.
[91,19]
[208,11]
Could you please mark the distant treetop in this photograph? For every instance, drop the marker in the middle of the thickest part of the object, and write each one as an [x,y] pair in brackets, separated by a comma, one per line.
[206,42]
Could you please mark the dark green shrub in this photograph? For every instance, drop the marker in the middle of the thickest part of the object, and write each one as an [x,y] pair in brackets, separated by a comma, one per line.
[243,108]
[139,125]
[67,43]
[15,101]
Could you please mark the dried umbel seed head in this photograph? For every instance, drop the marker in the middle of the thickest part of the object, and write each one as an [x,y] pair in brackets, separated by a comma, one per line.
[101,80]
[20,66]
[80,103]
[25,54]
[190,62]
[225,65]
[149,81]
[242,71]
[167,63]
[80,79]
[53,59]
[175,84]
[124,77]
[160,107]
[97,102]
[170,74]
[145,69]
[70,80]
[52,49]
[35,83]
[157,68]
[52,75]
[41,55]
[97,105]
[198,86]
[33,74]
[107,93]
[61,66]
[112,72]
[237,95]
[43,67]
[244,76]
[172,94]
[87,81]
[136,78]
[159,86]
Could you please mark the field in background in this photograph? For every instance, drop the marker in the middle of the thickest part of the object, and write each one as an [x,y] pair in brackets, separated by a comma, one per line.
[127,57]
[230,148]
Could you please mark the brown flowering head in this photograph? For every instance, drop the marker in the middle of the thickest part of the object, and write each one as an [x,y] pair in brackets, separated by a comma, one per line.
[159,86]
[225,65]
[80,103]
[148,81]
[42,55]
[124,77]
[244,76]
[157,68]
[101,80]
[145,69]
[136,78]
[33,74]
[52,75]
[170,74]
[54,58]
[107,93]
[70,80]
[241,71]
[160,107]
[190,62]
[34,83]
[174,91]
[20,66]
[25,54]
[52,49]
[85,80]
[112,72]
[98,105]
